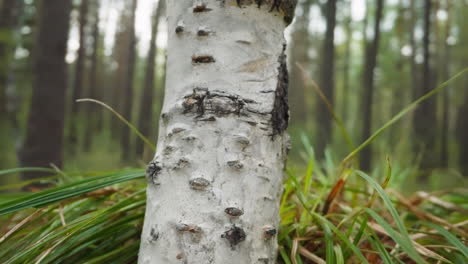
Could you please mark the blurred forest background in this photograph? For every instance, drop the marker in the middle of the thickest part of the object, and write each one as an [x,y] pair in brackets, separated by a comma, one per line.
[369,58]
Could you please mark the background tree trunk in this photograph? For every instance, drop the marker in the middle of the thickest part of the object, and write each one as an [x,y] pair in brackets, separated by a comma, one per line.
[445,67]
[425,114]
[347,60]
[128,88]
[327,84]
[368,83]
[9,16]
[462,139]
[9,13]
[216,179]
[146,120]
[121,53]
[415,73]
[44,136]
[94,89]
[77,93]
[299,54]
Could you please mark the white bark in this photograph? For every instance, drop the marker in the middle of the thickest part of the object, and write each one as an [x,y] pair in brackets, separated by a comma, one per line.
[215,183]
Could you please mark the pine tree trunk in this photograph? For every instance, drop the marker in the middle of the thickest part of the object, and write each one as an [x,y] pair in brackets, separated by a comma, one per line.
[462,139]
[145,120]
[368,82]
[425,114]
[414,47]
[44,135]
[445,66]
[215,183]
[327,84]
[93,114]
[347,61]
[128,88]
[9,17]
[78,78]
[9,12]
[299,54]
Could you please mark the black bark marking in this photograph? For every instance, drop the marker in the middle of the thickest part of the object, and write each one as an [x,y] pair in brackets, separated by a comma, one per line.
[188,228]
[176,130]
[202,59]
[269,232]
[288,7]
[199,184]
[179,29]
[280,113]
[168,150]
[165,117]
[242,140]
[154,235]
[152,171]
[235,164]
[275,5]
[194,102]
[201,8]
[203,32]
[208,119]
[234,211]
[235,235]
[182,163]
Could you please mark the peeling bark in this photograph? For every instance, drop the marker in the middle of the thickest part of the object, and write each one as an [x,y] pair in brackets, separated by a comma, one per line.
[216,179]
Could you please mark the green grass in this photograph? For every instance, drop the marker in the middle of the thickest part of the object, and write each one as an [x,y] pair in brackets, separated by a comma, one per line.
[77,222]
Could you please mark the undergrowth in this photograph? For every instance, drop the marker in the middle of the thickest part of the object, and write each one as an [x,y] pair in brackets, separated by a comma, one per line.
[330,213]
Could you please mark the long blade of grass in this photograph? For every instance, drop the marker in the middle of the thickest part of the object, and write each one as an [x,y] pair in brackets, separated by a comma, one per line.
[387,202]
[27,169]
[450,238]
[325,100]
[383,185]
[341,236]
[396,217]
[284,256]
[329,250]
[402,113]
[404,241]
[123,119]
[339,255]
[68,191]
[377,245]
[347,161]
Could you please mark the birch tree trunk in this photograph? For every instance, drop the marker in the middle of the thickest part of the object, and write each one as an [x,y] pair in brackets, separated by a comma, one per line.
[215,183]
